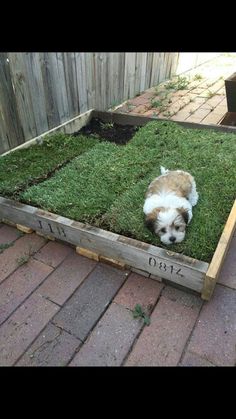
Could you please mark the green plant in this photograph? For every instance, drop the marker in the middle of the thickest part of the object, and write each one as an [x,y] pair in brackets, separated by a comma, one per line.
[107,125]
[178,84]
[210,94]
[5,246]
[138,312]
[168,114]
[22,260]
[197,77]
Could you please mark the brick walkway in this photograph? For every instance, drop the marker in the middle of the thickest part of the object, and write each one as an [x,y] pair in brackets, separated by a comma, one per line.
[58,308]
[202,101]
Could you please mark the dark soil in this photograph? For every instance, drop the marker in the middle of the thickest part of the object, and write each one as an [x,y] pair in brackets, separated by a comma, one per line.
[119,134]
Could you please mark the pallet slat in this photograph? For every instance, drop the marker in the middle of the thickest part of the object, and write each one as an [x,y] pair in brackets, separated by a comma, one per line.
[219,255]
[175,267]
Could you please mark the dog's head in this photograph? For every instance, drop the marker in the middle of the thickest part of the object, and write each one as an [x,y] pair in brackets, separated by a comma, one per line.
[168,223]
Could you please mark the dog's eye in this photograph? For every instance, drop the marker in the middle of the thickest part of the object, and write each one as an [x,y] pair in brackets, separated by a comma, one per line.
[163,230]
[176,228]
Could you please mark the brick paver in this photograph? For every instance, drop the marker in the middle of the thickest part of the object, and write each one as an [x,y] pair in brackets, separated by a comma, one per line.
[53,347]
[139,290]
[228,272]
[61,284]
[193,360]
[162,343]
[111,339]
[214,336]
[53,253]
[11,258]
[23,326]
[16,288]
[8,234]
[88,303]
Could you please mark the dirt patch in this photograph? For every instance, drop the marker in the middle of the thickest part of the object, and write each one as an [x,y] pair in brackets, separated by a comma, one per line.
[119,134]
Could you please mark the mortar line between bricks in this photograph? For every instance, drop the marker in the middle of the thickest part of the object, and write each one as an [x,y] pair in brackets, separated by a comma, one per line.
[99,318]
[190,335]
[56,241]
[139,333]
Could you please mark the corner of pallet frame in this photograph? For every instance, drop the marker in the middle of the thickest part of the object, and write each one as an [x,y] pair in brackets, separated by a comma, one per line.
[208,287]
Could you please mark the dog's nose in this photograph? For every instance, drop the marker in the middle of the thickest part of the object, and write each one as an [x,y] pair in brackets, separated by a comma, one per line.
[172,239]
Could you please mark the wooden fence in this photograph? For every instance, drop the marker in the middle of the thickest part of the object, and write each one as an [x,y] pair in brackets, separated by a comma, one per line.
[39,91]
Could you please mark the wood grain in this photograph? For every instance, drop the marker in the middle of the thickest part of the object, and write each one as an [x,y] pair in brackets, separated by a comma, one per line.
[219,255]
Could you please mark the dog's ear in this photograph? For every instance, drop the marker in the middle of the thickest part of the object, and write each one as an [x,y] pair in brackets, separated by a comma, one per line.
[151,218]
[184,213]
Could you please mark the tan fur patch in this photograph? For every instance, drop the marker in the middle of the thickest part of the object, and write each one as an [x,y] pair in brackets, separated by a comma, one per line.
[178,182]
[152,216]
[184,214]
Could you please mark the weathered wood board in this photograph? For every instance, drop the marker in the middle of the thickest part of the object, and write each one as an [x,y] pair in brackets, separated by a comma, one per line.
[178,268]
[150,260]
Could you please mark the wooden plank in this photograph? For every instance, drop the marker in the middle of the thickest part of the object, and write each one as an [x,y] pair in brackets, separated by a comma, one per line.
[35,82]
[129,80]
[24,229]
[11,133]
[81,80]
[17,62]
[143,70]
[219,255]
[121,72]
[69,127]
[127,119]
[60,87]
[155,72]
[71,83]
[87,253]
[53,116]
[177,268]
[148,70]
[90,78]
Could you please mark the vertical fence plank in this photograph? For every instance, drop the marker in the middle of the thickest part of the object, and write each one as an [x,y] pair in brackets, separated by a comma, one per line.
[129,80]
[143,71]
[11,133]
[53,116]
[90,79]
[81,81]
[35,82]
[22,92]
[71,83]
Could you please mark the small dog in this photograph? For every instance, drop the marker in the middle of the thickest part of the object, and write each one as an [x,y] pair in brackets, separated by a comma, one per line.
[168,204]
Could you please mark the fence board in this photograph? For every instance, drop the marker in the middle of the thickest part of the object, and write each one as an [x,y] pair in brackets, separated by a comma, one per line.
[22,91]
[35,82]
[11,133]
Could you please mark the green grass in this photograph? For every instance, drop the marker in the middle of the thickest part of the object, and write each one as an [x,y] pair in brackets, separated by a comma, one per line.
[23,167]
[106,185]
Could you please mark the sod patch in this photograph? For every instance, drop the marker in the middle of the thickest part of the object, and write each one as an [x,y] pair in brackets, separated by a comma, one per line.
[106,185]
[27,166]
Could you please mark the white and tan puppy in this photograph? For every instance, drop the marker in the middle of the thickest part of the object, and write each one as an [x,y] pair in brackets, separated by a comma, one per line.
[168,204]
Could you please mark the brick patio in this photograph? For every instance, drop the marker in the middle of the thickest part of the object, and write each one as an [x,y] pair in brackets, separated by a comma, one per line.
[58,308]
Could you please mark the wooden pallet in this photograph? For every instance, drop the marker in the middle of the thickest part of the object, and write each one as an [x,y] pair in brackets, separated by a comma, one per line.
[118,250]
